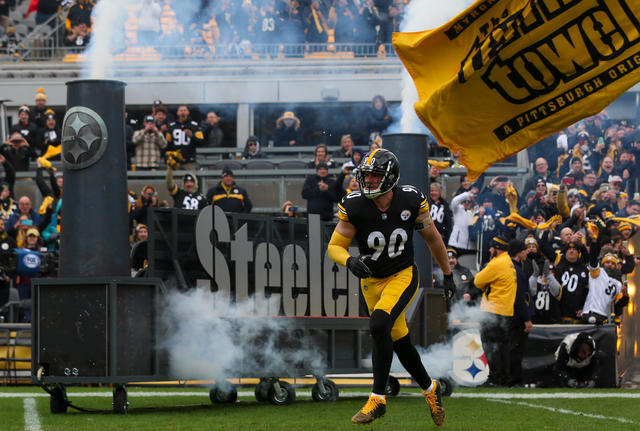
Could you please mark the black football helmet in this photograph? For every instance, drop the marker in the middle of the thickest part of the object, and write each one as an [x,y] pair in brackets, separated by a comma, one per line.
[380,162]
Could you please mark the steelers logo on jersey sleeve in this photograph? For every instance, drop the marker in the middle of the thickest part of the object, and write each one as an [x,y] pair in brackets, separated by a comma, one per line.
[404,215]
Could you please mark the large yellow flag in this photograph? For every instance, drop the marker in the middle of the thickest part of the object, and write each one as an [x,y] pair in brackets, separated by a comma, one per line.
[505,73]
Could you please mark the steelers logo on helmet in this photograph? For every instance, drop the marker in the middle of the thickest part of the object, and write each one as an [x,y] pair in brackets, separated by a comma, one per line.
[382,163]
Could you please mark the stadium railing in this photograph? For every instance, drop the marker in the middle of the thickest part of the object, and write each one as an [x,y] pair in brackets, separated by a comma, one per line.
[48,47]
[267,188]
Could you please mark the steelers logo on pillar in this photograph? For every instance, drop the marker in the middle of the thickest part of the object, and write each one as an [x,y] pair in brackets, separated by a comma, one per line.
[84,138]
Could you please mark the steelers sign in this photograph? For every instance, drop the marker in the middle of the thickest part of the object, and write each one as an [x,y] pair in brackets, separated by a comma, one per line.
[470,367]
[84,138]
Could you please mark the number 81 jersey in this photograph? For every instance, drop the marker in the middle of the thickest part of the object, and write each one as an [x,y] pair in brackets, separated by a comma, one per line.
[385,236]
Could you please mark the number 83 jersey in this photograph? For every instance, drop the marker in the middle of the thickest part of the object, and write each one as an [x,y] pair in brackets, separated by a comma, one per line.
[385,236]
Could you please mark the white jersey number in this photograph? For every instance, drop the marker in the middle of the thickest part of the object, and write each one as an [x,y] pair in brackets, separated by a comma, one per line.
[570,281]
[397,240]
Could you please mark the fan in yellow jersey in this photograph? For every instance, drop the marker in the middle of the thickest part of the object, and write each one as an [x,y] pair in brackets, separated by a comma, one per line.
[382,217]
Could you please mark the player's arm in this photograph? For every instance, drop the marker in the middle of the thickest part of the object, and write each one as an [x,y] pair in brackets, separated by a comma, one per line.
[342,236]
[340,241]
[427,230]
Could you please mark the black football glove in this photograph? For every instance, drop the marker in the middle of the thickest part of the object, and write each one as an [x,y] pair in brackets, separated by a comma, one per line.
[358,267]
[449,287]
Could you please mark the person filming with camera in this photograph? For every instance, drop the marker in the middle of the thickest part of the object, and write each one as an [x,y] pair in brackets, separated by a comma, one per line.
[149,143]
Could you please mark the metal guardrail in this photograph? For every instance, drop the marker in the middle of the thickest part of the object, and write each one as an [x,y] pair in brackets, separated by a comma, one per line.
[47,48]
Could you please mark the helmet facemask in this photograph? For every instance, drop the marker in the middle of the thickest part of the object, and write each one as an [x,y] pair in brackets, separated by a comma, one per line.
[388,181]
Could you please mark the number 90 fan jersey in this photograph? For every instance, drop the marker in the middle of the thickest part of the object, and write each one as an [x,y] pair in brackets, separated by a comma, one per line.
[385,236]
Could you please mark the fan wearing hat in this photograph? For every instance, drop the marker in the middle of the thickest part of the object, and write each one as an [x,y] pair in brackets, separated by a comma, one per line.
[320,192]
[604,285]
[521,324]
[51,137]
[499,285]
[188,197]
[572,272]
[26,127]
[252,149]
[288,132]
[17,151]
[462,277]
[228,195]
[149,143]
[38,113]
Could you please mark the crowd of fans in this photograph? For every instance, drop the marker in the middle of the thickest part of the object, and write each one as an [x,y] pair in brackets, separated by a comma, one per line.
[575,212]
[236,26]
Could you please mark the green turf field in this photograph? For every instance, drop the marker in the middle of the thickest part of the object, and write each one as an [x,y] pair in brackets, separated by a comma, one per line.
[27,408]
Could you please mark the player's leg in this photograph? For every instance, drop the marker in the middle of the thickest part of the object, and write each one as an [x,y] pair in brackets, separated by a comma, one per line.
[376,404]
[408,355]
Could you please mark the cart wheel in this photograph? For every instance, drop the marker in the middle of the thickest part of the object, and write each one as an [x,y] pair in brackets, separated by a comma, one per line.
[262,390]
[120,401]
[329,395]
[393,387]
[58,400]
[285,396]
[447,386]
[228,394]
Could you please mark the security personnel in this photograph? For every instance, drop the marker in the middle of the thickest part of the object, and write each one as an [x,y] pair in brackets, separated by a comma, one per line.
[381,216]
[498,283]
[521,322]
[228,195]
[185,135]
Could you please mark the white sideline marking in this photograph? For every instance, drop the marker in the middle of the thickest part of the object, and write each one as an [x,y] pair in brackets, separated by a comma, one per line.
[31,418]
[545,395]
[565,411]
[346,394]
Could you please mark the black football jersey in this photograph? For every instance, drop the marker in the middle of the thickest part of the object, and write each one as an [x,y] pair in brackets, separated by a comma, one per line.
[385,236]
[575,287]
[189,201]
[547,307]
[177,139]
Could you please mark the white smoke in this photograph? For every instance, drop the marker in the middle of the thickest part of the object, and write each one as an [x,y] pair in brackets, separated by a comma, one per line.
[107,34]
[438,358]
[423,15]
[202,344]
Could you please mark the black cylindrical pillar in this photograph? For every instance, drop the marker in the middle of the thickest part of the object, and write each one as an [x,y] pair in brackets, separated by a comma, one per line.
[95,221]
[411,151]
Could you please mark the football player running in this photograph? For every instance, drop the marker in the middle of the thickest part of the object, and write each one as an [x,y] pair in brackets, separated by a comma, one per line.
[381,216]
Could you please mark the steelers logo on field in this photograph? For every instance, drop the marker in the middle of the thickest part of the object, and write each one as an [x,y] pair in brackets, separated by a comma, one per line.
[404,215]
[84,138]
[470,366]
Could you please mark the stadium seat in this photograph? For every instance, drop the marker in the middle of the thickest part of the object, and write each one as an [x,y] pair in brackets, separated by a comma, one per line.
[292,164]
[20,353]
[259,164]
[5,341]
[231,164]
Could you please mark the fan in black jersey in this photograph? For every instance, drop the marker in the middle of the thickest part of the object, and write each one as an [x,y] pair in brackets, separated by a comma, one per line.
[382,217]
[546,294]
[185,135]
[188,197]
[573,275]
